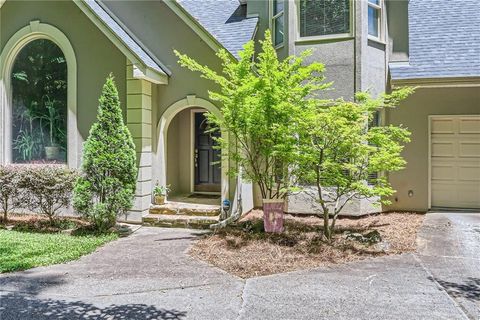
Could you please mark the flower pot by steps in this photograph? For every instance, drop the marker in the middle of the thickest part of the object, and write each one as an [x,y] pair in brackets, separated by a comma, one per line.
[273,215]
[52,152]
[159,200]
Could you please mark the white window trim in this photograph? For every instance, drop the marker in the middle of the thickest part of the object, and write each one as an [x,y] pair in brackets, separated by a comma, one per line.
[272,22]
[338,36]
[34,31]
[381,21]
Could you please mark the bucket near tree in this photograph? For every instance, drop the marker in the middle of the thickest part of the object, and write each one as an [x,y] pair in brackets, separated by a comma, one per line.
[273,215]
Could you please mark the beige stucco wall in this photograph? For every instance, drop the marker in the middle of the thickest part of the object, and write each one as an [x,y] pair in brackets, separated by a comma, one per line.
[413,113]
[162,31]
[166,32]
[96,55]
[179,146]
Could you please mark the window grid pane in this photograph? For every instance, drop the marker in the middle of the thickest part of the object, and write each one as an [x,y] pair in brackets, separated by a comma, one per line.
[278,28]
[324,17]
[277,7]
[373,22]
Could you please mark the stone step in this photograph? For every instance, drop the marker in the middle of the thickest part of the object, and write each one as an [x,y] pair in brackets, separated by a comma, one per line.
[179,221]
[186,209]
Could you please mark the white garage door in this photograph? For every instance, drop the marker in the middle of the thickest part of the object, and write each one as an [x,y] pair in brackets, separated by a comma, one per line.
[455,161]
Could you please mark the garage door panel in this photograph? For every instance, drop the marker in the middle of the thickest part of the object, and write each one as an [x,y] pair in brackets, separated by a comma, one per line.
[443,126]
[467,196]
[456,195]
[455,161]
[445,173]
[467,125]
[443,149]
[469,174]
[469,149]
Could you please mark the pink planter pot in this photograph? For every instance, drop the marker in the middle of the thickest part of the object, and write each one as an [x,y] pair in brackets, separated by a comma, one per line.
[273,215]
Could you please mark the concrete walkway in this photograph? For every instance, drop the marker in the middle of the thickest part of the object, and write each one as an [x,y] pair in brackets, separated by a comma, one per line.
[149,276]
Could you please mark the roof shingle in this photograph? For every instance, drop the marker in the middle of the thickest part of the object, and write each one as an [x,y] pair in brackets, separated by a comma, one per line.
[226,20]
[444,40]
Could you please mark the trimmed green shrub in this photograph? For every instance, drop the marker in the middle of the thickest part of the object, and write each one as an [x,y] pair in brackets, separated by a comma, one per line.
[9,190]
[106,186]
[46,189]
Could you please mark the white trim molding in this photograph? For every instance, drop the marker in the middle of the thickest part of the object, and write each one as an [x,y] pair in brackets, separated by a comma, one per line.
[34,31]
[160,157]
[453,82]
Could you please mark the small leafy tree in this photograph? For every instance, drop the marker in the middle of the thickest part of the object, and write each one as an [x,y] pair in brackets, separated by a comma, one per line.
[47,189]
[340,151]
[262,103]
[106,187]
[9,190]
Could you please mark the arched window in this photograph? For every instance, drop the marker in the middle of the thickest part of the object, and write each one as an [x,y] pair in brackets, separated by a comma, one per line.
[39,104]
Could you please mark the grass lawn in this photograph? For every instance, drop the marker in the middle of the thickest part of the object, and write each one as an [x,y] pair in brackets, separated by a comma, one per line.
[24,250]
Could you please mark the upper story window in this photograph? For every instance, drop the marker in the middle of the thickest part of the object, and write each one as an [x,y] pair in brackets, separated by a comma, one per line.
[39,104]
[324,18]
[277,8]
[374,18]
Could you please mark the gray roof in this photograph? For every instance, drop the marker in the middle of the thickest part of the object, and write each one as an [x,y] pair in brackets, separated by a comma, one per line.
[122,34]
[444,40]
[226,20]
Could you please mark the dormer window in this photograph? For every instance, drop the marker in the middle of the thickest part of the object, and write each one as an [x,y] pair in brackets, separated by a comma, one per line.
[324,18]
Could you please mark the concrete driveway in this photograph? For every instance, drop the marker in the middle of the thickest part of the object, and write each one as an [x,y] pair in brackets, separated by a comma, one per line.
[149,276]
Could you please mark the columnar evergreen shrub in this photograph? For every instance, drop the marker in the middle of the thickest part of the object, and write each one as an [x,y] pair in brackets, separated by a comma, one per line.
[106,186]
[46,189]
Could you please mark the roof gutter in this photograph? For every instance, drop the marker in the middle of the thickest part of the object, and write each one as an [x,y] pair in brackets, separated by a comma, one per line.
[454,82]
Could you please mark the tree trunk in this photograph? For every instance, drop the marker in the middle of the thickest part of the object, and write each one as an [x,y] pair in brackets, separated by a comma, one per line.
[50,217]
[326,226]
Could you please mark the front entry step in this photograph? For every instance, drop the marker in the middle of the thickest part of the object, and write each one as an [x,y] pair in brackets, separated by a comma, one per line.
[179,221]
[186,209]
[183,214]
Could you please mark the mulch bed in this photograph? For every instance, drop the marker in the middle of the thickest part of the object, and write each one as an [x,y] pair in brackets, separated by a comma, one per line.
[246,251]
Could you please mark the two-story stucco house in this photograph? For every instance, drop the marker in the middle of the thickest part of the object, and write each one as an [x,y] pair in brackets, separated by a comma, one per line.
[371,45]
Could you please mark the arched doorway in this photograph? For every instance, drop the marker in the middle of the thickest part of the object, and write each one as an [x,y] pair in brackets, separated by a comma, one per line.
[183,140]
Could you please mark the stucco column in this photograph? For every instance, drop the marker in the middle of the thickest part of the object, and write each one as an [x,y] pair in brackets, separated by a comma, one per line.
[139,122]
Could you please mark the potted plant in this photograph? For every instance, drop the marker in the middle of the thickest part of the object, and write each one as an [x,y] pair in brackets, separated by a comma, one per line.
[160,194]
[52,119]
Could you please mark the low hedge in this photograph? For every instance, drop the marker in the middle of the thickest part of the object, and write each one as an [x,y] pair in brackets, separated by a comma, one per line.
[43,189]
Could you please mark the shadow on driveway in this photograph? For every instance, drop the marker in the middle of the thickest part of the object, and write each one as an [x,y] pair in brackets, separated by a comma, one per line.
[20,306]
[469,290]
[23,303]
